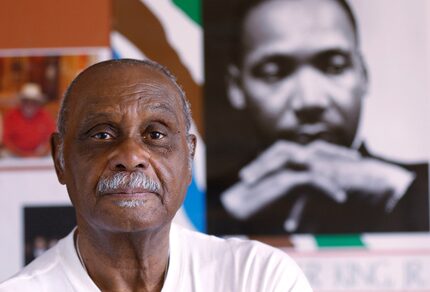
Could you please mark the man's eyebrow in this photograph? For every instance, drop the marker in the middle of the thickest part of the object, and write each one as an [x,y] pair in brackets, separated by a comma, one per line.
[292,60]
[162,107]
[95,117]
[276,56]
[304,55]
[334,51]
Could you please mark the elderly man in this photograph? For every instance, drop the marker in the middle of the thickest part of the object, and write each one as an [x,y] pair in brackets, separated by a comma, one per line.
[124,152]
[300,76]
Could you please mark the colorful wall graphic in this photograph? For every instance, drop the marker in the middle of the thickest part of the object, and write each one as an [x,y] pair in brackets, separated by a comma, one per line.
[47,44]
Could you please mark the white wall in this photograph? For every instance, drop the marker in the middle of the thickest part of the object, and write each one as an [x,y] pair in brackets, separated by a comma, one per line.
[22,185]
[395,42]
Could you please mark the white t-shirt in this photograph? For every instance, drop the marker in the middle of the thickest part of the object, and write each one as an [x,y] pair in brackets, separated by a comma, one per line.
[198,262]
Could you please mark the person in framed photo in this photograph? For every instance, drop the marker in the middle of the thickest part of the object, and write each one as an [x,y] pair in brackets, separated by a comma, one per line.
[28,127]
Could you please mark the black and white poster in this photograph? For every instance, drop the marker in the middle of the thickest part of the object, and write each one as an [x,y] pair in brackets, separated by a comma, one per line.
[317,116]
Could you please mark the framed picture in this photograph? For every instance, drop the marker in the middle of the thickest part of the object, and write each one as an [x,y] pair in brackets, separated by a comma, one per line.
[316,113]
[42,232]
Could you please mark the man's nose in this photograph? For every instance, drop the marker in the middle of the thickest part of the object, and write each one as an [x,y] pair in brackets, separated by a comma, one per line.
[129,155]
[310,99]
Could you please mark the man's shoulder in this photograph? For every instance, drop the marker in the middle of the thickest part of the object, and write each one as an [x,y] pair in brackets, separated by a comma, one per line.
[12,115]
[34,274]
[238,263]
[232,250]
[231,244]
[46,273]
[421,167]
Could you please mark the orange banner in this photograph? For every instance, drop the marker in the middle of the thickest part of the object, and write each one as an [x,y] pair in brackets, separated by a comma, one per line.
[54,23]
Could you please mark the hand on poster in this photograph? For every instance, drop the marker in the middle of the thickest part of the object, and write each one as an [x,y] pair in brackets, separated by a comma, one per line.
[336,172]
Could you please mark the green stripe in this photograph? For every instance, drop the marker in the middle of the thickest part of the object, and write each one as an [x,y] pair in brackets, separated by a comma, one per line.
[353,240]
[192,8]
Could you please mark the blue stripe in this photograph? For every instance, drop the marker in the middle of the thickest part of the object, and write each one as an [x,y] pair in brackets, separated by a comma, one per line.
[115,54]
[195,206]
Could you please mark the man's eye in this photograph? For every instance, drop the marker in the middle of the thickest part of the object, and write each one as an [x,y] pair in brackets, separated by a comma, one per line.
[102,136]
[273,70]
[154,135]
[333,64]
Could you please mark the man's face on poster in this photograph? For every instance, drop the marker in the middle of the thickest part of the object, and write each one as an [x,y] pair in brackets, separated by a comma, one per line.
[301,75]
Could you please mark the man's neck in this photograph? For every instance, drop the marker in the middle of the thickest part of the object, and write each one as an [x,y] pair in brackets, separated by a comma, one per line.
[135,261]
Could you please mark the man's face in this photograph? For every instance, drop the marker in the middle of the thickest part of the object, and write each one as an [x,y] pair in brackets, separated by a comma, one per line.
[125,119]
[301,74]
[30,108]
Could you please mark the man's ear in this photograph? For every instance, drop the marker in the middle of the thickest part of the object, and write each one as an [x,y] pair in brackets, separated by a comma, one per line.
[234,88]
[57,152]
[192,142]
[364,75]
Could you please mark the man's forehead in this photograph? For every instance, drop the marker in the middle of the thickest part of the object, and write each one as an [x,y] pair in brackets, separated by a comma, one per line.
[123,75]
[126,82]
[297,8]
[141,90]
[298,24]
[107,111]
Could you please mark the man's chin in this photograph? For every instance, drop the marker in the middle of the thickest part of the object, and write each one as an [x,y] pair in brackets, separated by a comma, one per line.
[128,216]
[130,225]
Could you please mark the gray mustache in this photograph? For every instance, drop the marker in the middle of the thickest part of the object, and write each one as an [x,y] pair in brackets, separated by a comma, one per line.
[127,180]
